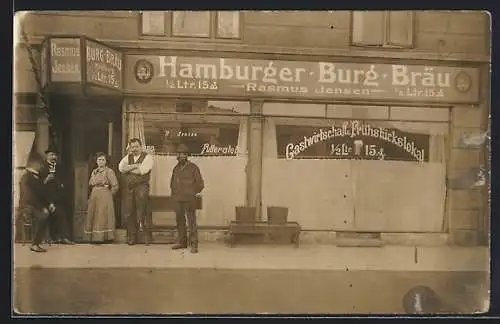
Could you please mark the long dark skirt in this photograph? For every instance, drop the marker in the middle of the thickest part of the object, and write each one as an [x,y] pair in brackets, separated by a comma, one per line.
[100,221]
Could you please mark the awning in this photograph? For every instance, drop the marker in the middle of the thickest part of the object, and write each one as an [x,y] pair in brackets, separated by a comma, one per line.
[22,143]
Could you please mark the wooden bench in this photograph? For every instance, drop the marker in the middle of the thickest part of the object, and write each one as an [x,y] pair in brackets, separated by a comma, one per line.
[160,204]
[291,229]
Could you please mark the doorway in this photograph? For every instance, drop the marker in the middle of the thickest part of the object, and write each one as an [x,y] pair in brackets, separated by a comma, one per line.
[96,126]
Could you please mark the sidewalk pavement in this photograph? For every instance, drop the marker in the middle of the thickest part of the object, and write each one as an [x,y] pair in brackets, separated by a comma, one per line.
[262,257]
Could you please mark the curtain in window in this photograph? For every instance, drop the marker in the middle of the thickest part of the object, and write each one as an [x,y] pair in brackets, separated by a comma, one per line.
[136,128]
[243,138]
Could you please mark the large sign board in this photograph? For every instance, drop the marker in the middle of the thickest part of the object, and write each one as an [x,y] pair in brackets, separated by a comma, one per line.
[292,79]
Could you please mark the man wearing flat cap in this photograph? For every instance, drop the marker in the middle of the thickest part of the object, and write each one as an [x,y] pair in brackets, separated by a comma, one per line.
[186,182]
[58,222]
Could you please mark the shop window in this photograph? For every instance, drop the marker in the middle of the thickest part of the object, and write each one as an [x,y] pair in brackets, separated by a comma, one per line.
[201,139]
[383,28]
[217,132]
[200,24]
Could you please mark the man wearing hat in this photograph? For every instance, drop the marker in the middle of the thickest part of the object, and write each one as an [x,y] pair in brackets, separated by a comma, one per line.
[58,224]
[186,182]
[33,202]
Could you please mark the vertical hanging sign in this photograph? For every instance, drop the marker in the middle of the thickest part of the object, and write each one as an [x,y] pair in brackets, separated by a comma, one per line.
[65,60]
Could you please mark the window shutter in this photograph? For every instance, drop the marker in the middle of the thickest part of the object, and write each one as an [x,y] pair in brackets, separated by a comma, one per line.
[153,22]
[368,28]
[400,28]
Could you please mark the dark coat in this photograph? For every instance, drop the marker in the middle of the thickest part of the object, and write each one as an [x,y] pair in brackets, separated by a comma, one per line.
[54,188]
[32,192]
[186,182]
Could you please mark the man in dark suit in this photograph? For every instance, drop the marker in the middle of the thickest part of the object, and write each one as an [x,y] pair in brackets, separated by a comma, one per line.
[58,223]
[185,184]
[33,203]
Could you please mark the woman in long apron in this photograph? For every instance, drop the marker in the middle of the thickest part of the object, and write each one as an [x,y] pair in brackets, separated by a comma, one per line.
[100,221]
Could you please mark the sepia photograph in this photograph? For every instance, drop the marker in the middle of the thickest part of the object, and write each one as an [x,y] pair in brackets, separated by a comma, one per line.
[251,162]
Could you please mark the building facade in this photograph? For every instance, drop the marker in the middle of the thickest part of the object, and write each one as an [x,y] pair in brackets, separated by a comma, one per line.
[354,121]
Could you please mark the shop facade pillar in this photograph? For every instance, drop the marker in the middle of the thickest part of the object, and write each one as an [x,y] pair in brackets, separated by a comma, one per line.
[254,168]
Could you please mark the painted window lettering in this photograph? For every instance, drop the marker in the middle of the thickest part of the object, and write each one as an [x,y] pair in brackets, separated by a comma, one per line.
[355,140]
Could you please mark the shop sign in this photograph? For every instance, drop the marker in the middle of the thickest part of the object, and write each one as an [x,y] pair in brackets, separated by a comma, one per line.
[293,79]
[104,65]
[358,140]
[65,60]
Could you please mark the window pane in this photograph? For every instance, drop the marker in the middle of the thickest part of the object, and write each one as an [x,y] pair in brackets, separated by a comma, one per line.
[400,28]
[368,27]
[191,23]
[202,139]
[228,24]
[153,22]
[162,131]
